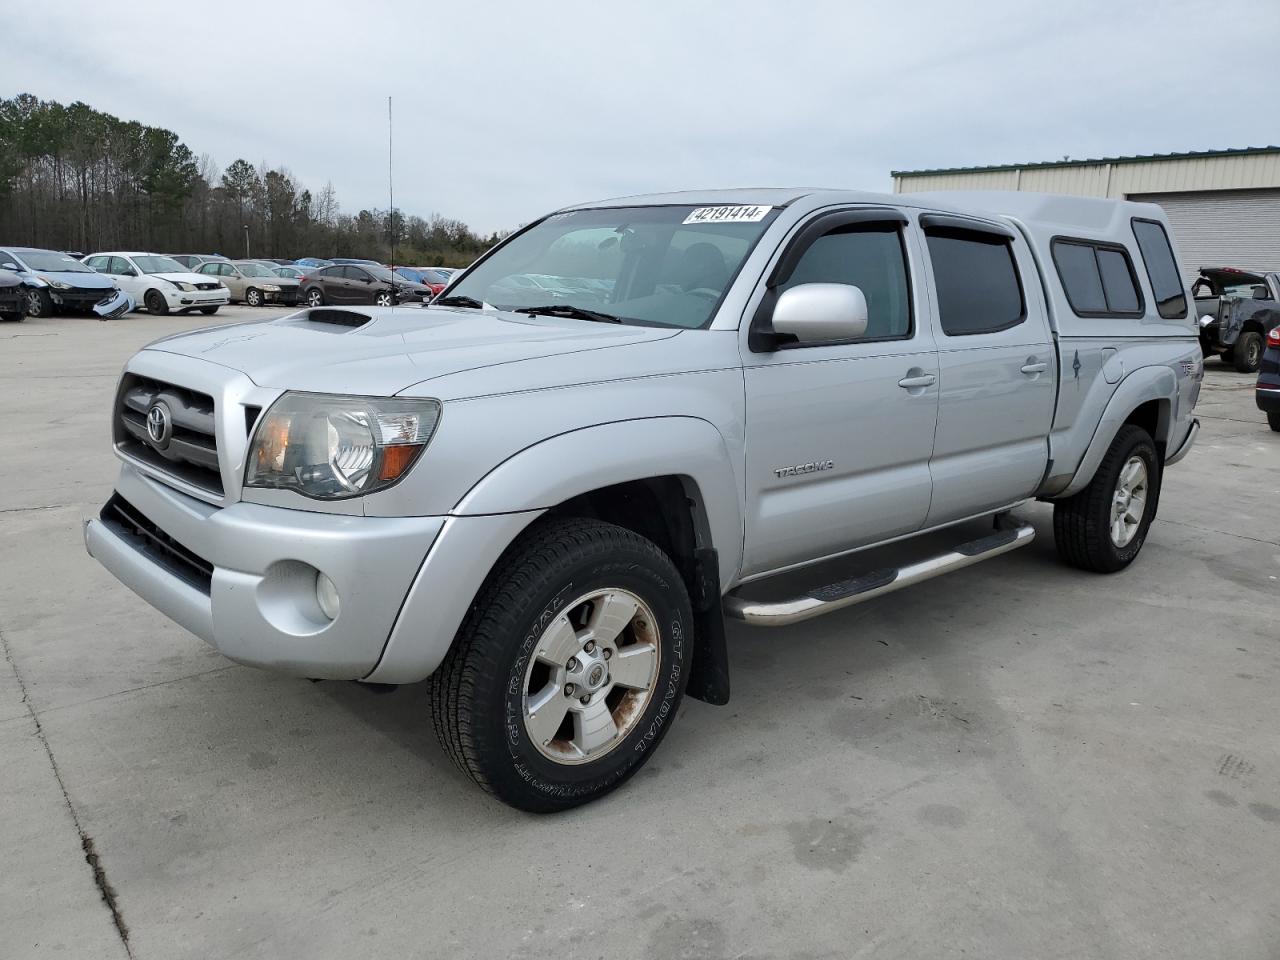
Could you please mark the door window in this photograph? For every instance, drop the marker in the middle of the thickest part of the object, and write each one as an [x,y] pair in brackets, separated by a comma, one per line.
[869,256]
[977,281]
[354,273]
[97,263]
[120,266]
[1162,269]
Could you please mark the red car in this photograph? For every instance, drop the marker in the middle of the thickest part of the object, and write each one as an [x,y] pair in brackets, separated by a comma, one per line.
[437,278]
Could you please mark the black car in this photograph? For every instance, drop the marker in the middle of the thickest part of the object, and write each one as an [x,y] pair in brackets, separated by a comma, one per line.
[13,296]
[348,283]
[1268,390]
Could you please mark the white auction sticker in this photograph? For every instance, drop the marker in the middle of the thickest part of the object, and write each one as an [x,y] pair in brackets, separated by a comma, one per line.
[734,214]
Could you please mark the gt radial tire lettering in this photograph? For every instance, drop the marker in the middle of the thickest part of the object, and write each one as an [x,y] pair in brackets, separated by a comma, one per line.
[515,681]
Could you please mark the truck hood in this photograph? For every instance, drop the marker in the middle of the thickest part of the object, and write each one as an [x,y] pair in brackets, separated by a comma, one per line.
[396,347]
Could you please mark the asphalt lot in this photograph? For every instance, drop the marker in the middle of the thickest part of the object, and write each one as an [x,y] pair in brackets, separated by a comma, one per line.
[1019,760]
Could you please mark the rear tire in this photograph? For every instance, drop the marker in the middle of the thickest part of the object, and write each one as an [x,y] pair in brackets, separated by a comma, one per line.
[1085,525]
[14,317]
[569,604]
[208,311]
[155,303]
[1247,353]
[1273,420]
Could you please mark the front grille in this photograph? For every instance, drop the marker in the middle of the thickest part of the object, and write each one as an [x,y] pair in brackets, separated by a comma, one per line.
[125,520]
[85,296]
[191,453]
[207,286]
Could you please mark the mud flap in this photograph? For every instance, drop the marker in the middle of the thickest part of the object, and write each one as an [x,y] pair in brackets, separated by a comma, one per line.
[709,677]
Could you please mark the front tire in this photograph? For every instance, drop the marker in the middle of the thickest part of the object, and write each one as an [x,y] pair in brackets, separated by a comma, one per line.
[39,303]
[384,300]
[1273,421]
[253,297]
[1247,353]
[155,303]
[315,298]
[569,668]
[208,311]
[1103,527]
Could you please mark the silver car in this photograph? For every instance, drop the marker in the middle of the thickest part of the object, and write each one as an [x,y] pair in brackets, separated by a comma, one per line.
[250,282]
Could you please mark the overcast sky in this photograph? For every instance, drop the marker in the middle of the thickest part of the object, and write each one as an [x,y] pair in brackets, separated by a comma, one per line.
[506,110]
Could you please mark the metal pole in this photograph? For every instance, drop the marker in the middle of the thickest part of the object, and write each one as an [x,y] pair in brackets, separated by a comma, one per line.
[246,241]
[391,193]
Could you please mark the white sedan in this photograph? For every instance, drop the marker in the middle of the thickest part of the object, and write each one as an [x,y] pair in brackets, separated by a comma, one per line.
[159,283]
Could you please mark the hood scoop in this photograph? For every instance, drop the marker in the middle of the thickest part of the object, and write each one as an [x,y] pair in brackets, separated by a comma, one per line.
[329,319]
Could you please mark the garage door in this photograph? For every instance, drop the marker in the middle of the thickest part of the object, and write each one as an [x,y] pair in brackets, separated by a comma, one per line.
[1223,228]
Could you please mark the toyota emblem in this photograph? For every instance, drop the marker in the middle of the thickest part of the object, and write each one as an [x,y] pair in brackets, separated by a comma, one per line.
[159,425]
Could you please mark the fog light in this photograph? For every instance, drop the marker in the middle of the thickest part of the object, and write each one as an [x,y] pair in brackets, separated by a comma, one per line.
[327,596]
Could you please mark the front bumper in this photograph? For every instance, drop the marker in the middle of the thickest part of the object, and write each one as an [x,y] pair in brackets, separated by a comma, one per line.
[189,299]
[255,601]
[1267,397]
[13,300]
[116,305]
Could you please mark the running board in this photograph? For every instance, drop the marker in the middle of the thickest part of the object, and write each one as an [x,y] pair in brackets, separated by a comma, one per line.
[845,593]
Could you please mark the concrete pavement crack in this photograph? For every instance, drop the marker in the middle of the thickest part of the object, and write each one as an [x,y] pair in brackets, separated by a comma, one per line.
[1221,533]
[91,856]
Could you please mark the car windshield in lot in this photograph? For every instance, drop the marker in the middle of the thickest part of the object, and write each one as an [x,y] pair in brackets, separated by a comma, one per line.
[659,265]
[254,270]
[381,273]
[53,262]
[159,265]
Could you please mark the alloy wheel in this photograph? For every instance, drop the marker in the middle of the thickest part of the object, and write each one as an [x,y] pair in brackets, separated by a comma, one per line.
[591,676]
[1129,501]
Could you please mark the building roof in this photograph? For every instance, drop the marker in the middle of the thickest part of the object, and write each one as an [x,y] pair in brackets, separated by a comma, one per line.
[1143,158]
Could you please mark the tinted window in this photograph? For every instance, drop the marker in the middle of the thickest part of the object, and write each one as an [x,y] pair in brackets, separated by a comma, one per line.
[1162,270]
[1097,279]
[207,268]
[1117,281]
[1078,270]
[867,256]
[354,273]
[977,282]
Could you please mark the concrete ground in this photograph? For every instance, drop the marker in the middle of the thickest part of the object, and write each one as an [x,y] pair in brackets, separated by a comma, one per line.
[1019,760]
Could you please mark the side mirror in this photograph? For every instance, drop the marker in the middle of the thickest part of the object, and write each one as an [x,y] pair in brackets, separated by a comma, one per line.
[821,312]
[128,272]
[9,265]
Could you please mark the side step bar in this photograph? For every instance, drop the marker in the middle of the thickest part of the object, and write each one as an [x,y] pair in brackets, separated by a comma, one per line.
[846,593]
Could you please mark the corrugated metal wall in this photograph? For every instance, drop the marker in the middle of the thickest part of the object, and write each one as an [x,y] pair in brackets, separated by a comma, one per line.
[1223,228]
[1245,171]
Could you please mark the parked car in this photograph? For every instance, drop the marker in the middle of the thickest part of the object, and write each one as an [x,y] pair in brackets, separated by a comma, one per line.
[290,272]
[1267,392]
[312,262]
[278,261]
[356,260]
[252,283]
[192,261]
[361,284]
[434,277]
[58,281]
[1236,310]
[549,508]
[160,283]
[13,296]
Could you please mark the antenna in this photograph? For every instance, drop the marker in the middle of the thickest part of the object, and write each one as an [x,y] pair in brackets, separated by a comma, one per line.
[391,190]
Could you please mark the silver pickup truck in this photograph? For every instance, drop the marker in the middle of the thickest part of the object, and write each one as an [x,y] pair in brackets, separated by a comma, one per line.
[547,490]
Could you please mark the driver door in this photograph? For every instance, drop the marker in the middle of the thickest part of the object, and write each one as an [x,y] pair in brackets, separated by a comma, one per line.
[126,276]
[839,435]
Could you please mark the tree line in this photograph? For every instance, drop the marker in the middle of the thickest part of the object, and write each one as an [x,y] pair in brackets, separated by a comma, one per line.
[75,178]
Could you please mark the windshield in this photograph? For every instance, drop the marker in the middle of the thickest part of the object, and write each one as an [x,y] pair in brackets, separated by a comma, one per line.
[52,262]
[380,273]
[254,270]
[159,265]
[667,266]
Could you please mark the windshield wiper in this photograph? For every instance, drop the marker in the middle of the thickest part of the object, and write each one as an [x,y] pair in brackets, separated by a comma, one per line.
[570,311]
[458,301]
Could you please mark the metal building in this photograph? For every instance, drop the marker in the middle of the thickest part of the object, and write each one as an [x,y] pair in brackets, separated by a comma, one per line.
[1224,205]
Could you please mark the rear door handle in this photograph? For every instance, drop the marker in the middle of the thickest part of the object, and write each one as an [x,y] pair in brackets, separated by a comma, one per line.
[924,380]
[1039,367]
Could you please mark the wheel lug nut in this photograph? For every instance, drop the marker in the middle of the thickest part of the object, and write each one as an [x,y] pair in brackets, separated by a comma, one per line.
[584,700]
[590,645]
[607,653]
[568,689]
[572,664]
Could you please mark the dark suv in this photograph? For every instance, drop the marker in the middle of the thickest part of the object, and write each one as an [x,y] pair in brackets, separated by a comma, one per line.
[1268,390]
[365,283]
[1236,311]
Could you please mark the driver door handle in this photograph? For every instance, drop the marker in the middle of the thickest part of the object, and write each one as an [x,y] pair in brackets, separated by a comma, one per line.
[1038,367]
[924,380]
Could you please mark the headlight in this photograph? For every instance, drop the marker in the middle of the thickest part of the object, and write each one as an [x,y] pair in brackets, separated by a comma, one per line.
[56,284]
[331,448]
[183,285]
[271,286]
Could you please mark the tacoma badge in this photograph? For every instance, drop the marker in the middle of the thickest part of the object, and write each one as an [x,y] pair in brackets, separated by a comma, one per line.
[813,466]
